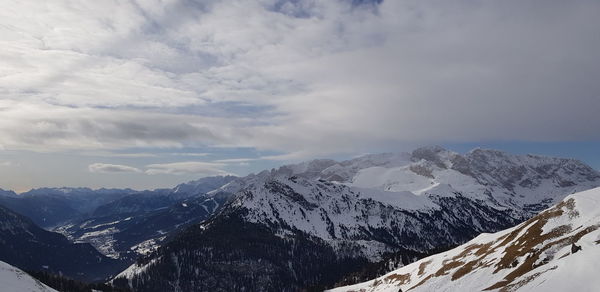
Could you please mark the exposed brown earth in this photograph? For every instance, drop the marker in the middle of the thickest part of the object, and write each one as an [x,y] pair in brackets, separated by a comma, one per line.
[525,245]
[523,250]
[398,279]
[520,247]
[422,282]
[519,284]
[424,265]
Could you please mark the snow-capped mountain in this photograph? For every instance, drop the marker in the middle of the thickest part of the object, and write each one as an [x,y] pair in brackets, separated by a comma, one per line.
[5,193]
[14,280]
[520,182]
[524,183]
[200,186]
[557,250]
[321,214]
[315,196]
[348,216]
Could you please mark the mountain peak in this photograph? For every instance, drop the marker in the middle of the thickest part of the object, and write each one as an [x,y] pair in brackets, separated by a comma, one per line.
[74,191]
[435,154]
[431,148]
[201,186]
[7,193]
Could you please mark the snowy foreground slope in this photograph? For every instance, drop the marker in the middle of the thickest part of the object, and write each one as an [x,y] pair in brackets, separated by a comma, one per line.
[533,256]
[15,280]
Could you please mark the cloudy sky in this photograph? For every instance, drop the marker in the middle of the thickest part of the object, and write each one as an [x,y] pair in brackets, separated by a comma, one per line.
[151,93]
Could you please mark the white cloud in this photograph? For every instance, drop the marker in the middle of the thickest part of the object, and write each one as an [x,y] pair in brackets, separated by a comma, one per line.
[111,168]
[42,127]
[114,74]
[189,154]
[118,155]
[187,167]
[236,160]
[288,156]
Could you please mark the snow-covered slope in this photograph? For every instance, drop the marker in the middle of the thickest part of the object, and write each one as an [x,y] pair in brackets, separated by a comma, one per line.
[537,255]
[521,182]
[200,186]
[304,227]
[349,200]
[363,218]
[364,208]
[526,184]
[14,280]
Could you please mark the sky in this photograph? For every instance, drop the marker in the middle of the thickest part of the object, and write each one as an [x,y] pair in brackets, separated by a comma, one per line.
[148,94]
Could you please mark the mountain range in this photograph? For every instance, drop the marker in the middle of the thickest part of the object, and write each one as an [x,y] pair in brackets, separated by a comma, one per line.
[49,207]
[306,226]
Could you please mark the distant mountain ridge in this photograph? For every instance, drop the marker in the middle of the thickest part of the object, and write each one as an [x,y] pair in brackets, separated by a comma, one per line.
[52,207]
[348,213]
[119,223]
[7,193]
[49,207]
[137,223]
[353,212]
